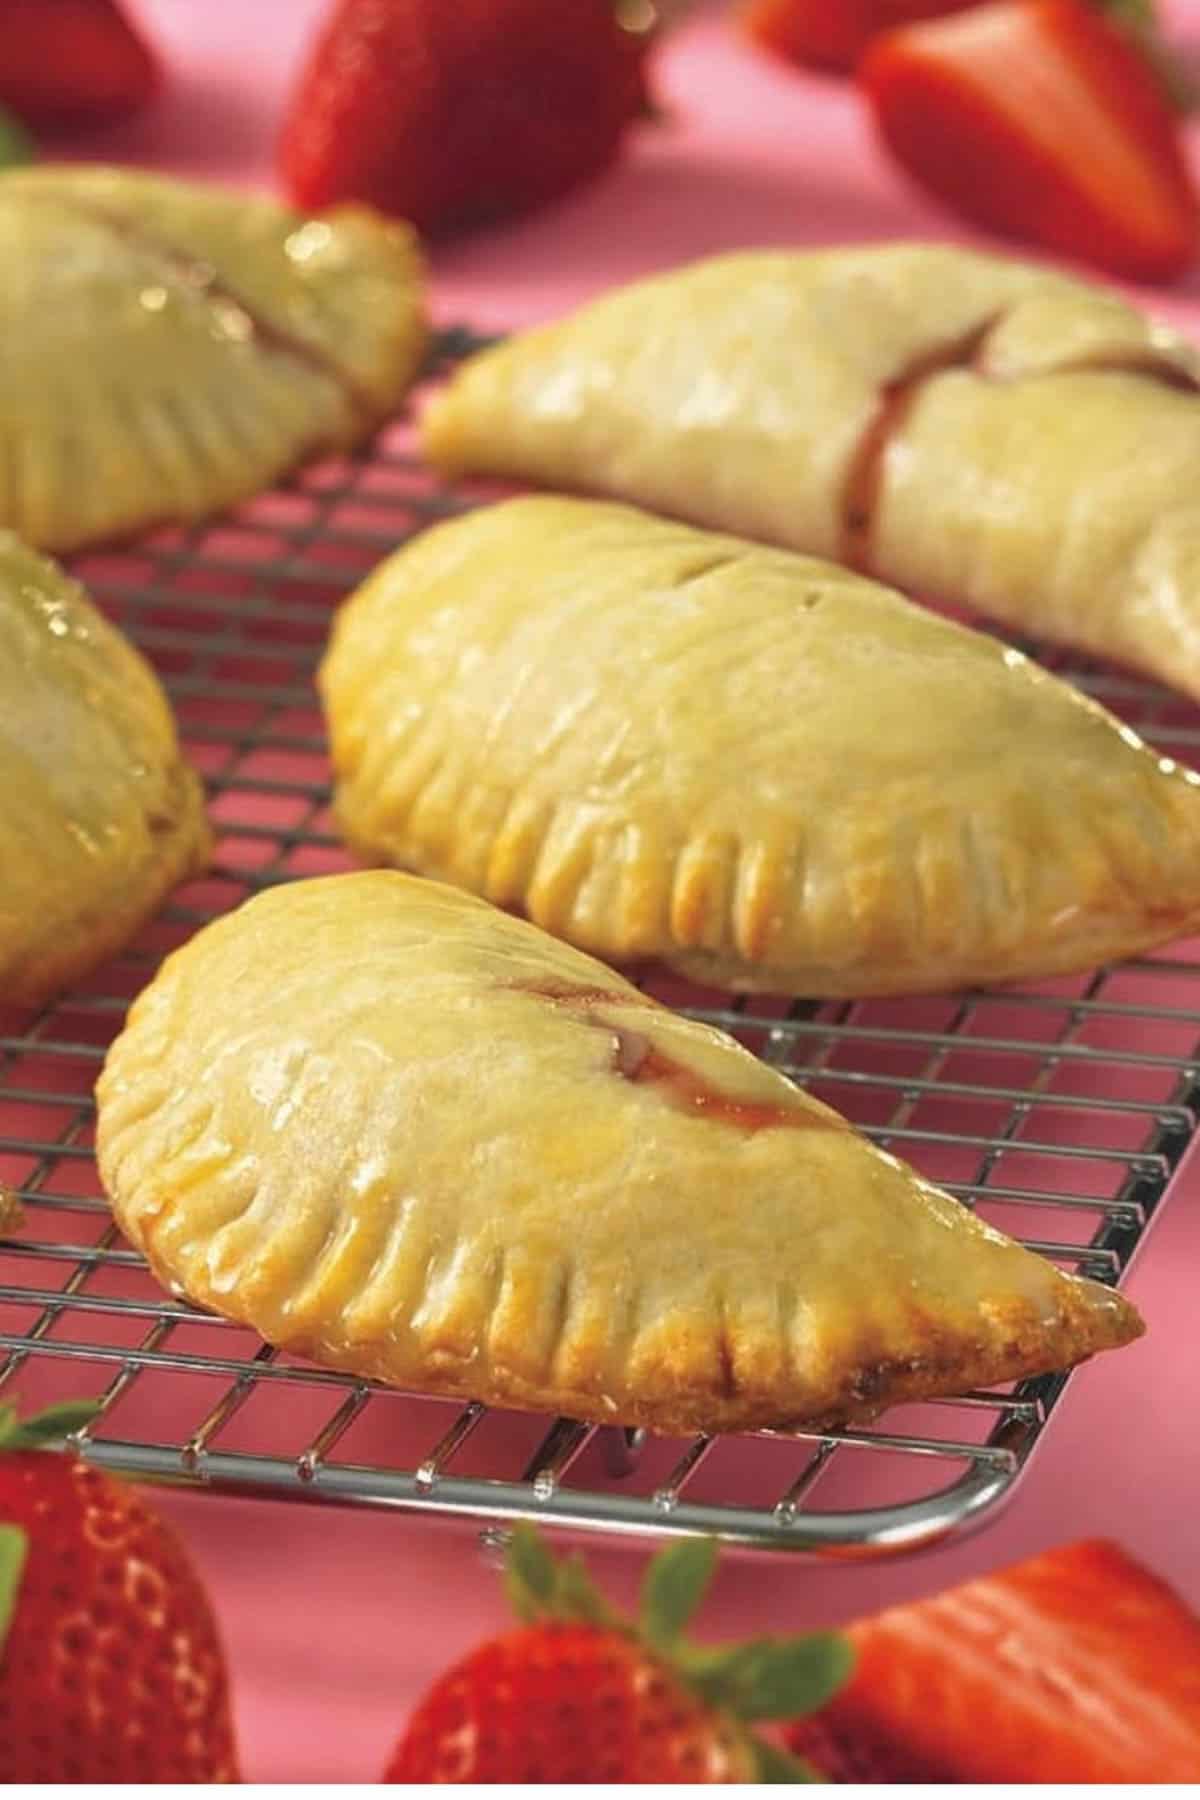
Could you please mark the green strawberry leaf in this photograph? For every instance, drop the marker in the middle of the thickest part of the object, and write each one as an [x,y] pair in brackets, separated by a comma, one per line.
[773,1764]
[796,1678]
[773,1678]
[676,1582]
[577,1598]
[530,1575]
[542,1587]
[16,145]
[51,1426]
[14,1546]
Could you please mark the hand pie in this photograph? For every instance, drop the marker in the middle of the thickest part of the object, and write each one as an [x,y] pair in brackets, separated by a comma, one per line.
[99,814]
[966,427]
[167,349]
[767,770]
[398,1131]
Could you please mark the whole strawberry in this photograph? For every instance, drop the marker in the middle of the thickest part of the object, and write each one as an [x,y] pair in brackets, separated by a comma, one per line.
[583,1695]
[453,112]
[67,62]
[1083,1664]
[110,1665]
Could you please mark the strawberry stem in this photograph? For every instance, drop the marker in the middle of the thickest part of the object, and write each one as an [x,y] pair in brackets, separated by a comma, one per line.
[771,1678]
[14,1546]
[53,1425]
[542,1587]
[637,17]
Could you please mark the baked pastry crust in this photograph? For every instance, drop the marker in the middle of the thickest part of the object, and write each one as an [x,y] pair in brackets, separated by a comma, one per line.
[100,816]
[168,349]
[964,426]
[10,1210]
[409,1136]
[764,769]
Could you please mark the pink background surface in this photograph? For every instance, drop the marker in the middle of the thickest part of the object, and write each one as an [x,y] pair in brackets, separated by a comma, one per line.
[336,1620]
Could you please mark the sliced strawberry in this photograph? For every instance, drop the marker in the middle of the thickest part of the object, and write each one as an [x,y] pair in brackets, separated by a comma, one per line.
[68,61]
[1045,122]
[1078,1665]
[832,34]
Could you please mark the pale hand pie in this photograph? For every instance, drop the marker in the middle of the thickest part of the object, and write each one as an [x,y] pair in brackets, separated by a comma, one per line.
[100,816]
[167,349]
[767,770]
[967,427]
[409,1136]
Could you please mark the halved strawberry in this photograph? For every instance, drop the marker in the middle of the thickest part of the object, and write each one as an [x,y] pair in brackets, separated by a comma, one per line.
[1043,121]
[832,34]
[1076,1666]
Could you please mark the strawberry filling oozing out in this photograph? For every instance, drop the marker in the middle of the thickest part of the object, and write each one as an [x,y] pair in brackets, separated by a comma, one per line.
[864,482]
[639,1061]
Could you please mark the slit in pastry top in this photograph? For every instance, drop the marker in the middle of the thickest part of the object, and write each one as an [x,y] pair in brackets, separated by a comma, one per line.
[771,772]
[346,1117]
[967,427]
[168,348]
[637,1059]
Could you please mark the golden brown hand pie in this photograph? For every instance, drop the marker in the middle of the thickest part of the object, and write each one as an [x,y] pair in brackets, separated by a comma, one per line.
[963,426]
[409,1136]
[167,349]
[765,769]
[99,814]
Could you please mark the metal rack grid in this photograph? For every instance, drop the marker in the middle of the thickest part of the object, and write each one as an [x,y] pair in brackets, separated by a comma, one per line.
[1060,1112]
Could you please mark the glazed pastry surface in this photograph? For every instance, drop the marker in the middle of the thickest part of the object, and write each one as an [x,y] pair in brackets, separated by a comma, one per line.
[412,1137]
[765,769]
[967,427]
[100,816]
[167,349]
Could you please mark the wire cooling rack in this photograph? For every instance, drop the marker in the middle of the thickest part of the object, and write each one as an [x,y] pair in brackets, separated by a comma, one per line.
[1059,1112]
